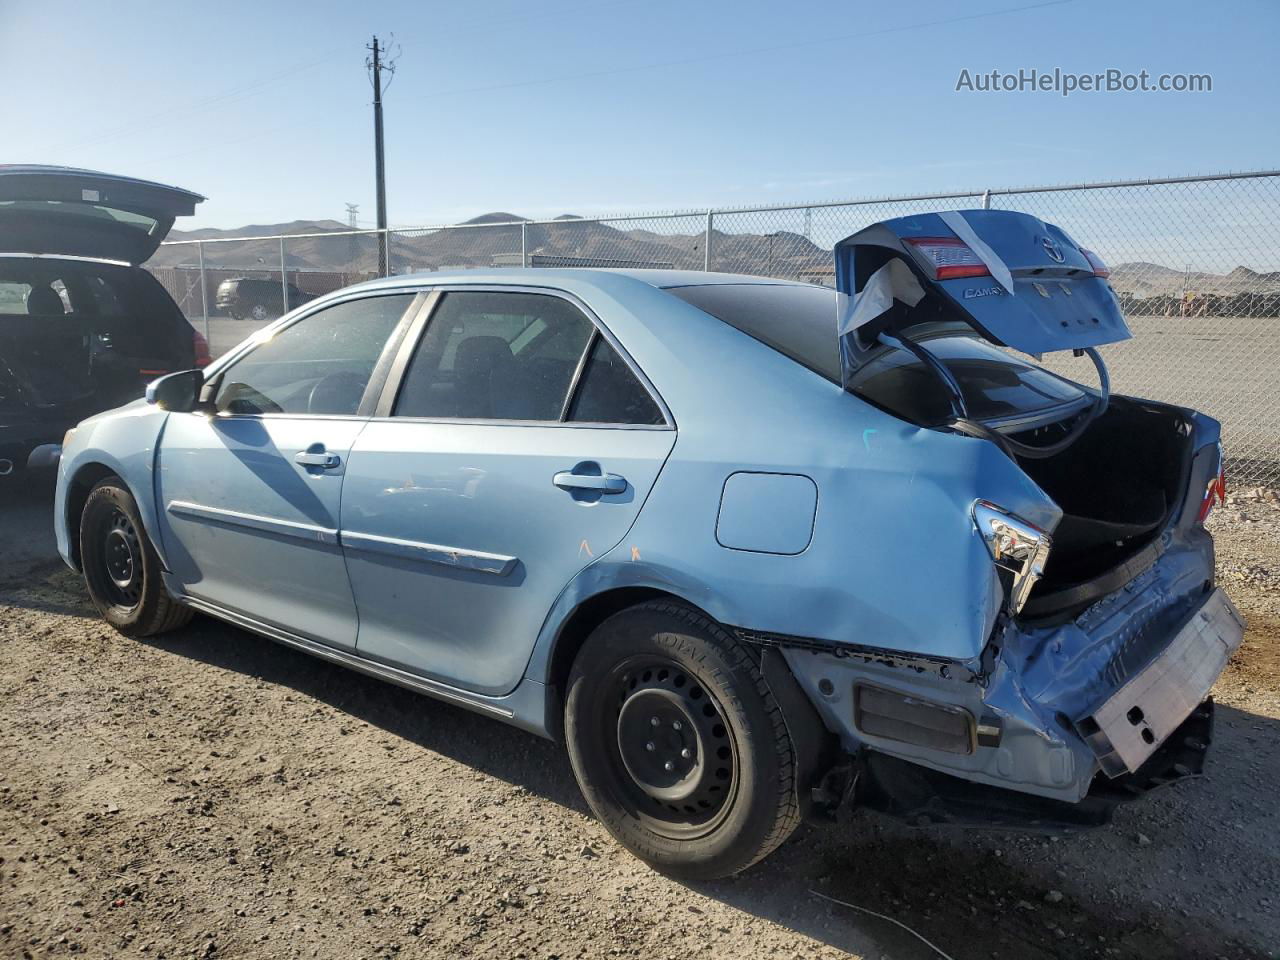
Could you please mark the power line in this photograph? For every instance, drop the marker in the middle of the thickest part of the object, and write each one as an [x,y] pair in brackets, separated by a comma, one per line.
[167,116]
[728,54]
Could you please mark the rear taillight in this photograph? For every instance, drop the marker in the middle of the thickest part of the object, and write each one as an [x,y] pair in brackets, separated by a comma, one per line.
[1015,545]
[1215,490]
[203,359]
[1099,268]
[950,257]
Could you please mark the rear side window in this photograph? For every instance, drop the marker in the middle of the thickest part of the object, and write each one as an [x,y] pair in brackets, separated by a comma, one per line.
[319,365]
[495,356]
[609,392]
[13,297]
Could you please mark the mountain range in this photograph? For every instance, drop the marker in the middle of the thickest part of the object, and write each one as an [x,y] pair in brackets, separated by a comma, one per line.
[571,241]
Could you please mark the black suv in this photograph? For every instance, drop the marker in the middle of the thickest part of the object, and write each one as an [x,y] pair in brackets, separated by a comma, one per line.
[255,298]
[83,328]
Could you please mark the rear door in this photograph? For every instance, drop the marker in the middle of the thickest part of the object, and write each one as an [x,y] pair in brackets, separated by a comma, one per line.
[250,496]
[521,445]
[81,213]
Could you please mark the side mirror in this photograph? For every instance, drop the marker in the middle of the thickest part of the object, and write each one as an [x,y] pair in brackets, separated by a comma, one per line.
[177,392]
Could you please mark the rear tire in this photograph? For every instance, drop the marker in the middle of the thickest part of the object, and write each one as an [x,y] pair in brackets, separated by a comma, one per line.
[121,567]
[678,744]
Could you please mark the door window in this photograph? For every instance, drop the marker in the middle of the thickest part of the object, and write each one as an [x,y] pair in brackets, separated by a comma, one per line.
[496,356]
[320,365]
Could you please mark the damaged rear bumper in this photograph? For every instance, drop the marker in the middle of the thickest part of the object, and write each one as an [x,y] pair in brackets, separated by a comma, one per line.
[1055,724]
[921,797]
[1126,728]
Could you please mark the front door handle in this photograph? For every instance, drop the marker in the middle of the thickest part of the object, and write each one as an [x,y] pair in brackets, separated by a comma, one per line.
[317,459]
[598,482]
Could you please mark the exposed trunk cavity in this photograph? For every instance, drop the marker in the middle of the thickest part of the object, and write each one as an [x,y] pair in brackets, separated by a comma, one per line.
[1118,487]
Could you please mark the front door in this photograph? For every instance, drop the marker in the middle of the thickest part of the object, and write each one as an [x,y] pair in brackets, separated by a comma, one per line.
[522,446]
[249,496]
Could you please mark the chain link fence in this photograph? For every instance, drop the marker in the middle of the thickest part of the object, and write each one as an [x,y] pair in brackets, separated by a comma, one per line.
[1195,262]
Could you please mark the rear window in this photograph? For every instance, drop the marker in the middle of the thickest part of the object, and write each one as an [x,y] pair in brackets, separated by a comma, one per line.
[796,320]
[996,385]
[800,322]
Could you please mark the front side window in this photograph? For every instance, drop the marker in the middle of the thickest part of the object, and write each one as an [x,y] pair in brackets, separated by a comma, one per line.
[495,356]
[319,365]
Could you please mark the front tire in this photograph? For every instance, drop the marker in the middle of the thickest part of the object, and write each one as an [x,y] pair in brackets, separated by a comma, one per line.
[678,744]
[121,567]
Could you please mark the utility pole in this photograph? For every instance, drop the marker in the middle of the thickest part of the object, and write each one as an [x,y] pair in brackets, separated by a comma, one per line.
[377,65]
[352,210]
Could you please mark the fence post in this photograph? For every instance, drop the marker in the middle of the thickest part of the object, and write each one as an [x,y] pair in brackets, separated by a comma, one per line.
[204,291]
[524,243]
[284,282]
[706,243]
[986,199]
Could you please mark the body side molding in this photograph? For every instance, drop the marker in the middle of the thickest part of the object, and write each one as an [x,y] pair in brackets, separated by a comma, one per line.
[287,528]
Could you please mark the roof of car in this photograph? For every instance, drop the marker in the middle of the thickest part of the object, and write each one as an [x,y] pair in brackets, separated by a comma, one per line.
[571,277]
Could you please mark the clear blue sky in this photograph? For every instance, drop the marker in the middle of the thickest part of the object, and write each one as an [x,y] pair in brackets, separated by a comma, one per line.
[591,107]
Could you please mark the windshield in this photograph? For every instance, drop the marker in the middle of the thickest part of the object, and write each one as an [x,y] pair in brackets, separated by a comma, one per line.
[799,321]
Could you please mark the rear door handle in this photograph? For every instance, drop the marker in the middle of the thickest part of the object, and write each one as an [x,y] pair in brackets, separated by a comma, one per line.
[317,459]
[602,482]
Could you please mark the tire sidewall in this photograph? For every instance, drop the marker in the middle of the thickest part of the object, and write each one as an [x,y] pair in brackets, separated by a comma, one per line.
[110,494]
[706,654]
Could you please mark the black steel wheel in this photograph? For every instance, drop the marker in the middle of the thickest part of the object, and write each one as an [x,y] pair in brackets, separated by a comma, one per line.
[121,567]
[676,757]
[678,744]
[122,557]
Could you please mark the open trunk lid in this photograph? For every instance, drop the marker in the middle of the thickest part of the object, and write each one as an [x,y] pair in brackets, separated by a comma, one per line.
[66,212]
[1018,281]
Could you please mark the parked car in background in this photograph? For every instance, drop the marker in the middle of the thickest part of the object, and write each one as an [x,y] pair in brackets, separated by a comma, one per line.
[256,298]
[83,327]
[739,565]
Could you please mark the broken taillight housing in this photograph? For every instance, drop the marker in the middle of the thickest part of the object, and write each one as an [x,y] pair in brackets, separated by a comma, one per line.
[1100,269]
[1215,490]
[949,257]
[1016,546]
[203,358]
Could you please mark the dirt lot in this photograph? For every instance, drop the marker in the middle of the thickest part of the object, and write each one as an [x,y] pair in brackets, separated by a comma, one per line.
[210,794]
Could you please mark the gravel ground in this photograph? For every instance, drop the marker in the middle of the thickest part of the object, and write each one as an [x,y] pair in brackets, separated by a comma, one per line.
[210,794]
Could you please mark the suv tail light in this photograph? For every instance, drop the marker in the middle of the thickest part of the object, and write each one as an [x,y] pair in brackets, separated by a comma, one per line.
[1100,269]
[203,359]
[950,257]
[1215,491]
[1015,546]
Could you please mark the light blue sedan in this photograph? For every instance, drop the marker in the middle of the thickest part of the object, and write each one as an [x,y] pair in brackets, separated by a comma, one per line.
[749,547]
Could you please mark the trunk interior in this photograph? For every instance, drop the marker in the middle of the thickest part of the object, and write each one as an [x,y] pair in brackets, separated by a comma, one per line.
[76,337]
[1117,487]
